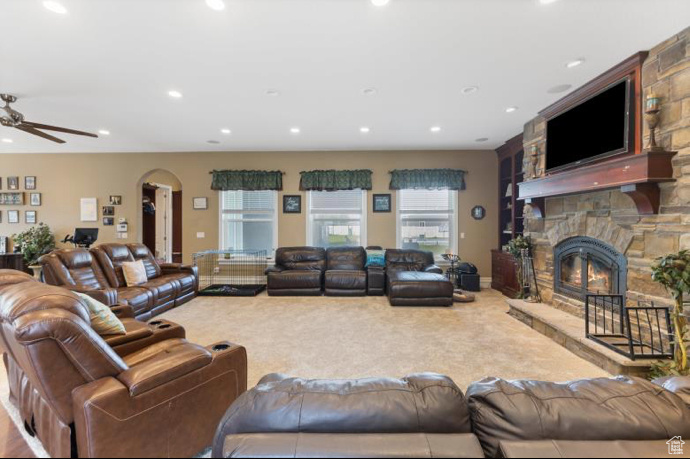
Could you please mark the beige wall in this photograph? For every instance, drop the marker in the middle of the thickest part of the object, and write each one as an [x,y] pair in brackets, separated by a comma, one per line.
[64,179]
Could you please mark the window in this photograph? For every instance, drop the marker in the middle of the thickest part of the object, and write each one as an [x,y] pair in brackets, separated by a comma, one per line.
[427,220]
[248,220]
[337,218]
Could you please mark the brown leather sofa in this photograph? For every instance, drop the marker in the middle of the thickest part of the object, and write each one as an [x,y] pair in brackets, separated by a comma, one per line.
[427,415]
[81,398]
[419,416]
[345,273]
[298,271]
[98,273]
[413,279]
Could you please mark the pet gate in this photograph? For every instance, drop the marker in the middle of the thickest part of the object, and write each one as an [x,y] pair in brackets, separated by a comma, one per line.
[231,272]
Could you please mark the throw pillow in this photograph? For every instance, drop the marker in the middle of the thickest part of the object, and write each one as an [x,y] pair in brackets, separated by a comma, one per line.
[376,258]
[103,319]
[134,272]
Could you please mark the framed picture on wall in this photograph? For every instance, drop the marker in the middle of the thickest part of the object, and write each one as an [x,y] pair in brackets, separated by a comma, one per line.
[382,203]
[108,211]
[13,216]
[30,182]
[200,203]
[89,209]
[35,199]
[108,221]
[30,217]
[292,204]
[13,183]
[115,200]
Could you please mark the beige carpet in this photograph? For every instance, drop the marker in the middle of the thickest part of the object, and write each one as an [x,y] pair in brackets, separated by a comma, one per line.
[324,337]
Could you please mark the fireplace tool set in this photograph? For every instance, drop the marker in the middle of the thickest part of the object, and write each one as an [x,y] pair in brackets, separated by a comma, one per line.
[530,288]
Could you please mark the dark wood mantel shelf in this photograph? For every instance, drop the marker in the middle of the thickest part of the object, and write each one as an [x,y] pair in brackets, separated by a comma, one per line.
[637,176]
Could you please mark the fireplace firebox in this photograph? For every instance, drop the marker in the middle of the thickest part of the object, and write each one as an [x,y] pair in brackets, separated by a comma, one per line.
[585,266]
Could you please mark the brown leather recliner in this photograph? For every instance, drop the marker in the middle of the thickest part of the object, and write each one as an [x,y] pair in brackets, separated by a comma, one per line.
[414,280]
[421,415]
[297,271]
[345,273]
[78,270]
[80,398]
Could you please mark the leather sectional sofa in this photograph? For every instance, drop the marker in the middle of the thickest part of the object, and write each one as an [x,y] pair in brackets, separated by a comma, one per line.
[427,415]
[98,273]
[148,393]
[410,276]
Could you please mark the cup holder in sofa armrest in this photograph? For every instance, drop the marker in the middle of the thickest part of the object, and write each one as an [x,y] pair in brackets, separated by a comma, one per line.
[164,326]
[220,347]
[156,323]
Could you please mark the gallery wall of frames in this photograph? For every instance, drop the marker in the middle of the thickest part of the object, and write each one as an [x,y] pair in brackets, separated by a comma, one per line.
[19,192]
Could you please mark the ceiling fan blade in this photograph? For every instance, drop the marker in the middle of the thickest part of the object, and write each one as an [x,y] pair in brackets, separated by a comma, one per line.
[58,129]
[34,131]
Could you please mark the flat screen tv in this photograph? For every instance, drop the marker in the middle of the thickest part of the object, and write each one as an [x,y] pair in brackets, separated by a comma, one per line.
[597,128]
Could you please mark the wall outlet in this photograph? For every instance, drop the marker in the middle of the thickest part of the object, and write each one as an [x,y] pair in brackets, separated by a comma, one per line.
[462,235]
[200,235]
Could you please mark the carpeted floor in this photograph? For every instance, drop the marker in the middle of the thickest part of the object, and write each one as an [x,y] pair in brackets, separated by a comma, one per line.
[322,337]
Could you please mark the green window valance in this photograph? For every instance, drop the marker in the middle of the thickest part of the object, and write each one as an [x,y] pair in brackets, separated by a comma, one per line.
[247,180]
[429,179]
[333,180]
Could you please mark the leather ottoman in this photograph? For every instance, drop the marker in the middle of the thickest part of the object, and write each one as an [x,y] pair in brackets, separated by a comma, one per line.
[414,288]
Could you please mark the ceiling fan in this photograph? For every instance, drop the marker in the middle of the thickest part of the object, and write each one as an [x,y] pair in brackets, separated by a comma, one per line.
[14,119]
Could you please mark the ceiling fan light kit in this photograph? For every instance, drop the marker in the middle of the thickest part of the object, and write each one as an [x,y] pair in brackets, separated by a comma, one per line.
[13,119]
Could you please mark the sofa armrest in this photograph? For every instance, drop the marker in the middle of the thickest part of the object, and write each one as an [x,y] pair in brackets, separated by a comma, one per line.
[168,268]
[274,269]
[433,269]
[123,311]
[107,296]
[164,368]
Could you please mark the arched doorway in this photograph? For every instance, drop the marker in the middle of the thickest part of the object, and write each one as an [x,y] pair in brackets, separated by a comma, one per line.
[160,216]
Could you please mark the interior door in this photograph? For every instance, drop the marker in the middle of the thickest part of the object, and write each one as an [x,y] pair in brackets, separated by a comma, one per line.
[177,227]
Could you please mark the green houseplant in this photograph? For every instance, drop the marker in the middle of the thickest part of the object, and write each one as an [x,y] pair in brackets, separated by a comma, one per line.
[515,248]
[34,242]
[673,272]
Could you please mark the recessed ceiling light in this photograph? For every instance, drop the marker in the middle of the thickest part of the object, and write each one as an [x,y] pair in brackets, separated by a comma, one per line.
[436,129]
[380,2]
[273,92]
[469,90]
[226,131]
[560,88]
[7,141]
[575,63]
[369,91]
[55,7]
[213,142]
[295,130]
[482,139]
[218,5]
[511,109]
[547,2]
[364,130]
[175,94]
[104,132]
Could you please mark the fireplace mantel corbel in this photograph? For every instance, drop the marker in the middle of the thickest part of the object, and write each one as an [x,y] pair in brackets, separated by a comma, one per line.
[636,175]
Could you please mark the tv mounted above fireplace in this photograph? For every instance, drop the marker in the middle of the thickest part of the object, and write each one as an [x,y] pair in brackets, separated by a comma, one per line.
[596,128]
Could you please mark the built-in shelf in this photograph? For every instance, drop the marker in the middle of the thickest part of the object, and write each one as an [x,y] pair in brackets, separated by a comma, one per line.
[637,176]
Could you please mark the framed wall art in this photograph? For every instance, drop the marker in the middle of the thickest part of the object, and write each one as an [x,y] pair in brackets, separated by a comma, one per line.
[89,209]
[30,217]
[382,203]
[292,204]
[35,199]
[200,203]
[30,182]
[13,216]
[12,183]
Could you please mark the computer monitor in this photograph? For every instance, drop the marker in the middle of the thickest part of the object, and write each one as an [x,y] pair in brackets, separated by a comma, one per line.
[85,236]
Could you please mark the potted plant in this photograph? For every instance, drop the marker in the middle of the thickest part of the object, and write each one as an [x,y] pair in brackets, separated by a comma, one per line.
[34,243]
[517,247]
[673,272]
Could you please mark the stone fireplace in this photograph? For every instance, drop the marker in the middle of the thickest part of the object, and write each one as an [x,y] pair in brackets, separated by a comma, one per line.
[585,265]
[599,240]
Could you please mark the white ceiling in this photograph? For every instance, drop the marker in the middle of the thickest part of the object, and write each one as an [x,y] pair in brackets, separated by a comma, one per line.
[109,64]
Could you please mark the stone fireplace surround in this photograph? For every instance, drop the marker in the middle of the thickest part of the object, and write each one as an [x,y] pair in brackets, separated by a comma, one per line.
[611,216]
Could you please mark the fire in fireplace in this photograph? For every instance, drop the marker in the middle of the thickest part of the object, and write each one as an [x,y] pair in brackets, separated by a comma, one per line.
[585,265]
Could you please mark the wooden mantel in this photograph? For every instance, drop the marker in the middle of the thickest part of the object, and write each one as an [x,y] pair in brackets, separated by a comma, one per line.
[636,175]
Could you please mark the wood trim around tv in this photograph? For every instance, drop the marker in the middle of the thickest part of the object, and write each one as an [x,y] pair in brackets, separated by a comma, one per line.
[630,68]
